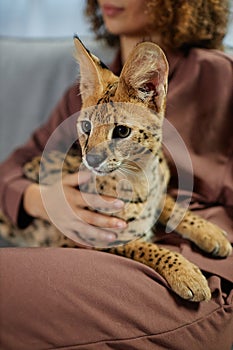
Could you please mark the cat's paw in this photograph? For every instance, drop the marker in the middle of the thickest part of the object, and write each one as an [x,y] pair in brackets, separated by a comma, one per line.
[212,239]
[187,281]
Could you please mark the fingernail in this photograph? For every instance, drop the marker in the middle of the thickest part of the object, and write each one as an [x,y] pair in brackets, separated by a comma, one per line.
[121,224]
[111,237]
[119,204]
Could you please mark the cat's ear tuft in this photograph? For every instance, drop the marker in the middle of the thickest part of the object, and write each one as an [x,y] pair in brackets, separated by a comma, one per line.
[144,76]
[90,71]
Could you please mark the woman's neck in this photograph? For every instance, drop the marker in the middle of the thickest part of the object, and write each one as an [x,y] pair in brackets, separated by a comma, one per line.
[127,43]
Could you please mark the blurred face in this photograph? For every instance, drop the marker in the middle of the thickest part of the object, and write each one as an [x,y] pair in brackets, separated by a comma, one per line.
[124,17]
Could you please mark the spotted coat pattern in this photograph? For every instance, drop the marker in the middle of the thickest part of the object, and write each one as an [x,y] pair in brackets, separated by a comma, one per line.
[120,134]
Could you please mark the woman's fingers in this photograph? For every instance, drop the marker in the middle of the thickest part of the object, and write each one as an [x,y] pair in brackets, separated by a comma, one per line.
[69,209]
[84,199]
[100,220]
[96,201]
[87,234]
[76,178]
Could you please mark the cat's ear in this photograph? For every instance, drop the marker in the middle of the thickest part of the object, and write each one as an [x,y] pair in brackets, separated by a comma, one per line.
[91,83]
[144,76]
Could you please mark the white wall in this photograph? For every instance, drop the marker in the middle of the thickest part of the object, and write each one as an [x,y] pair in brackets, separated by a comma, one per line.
[43,18]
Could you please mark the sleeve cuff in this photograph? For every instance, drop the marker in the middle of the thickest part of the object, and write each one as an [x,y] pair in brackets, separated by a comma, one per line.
[14,203]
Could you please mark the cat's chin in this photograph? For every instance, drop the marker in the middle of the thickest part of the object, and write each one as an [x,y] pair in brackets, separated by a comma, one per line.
[99,172]
[102,173]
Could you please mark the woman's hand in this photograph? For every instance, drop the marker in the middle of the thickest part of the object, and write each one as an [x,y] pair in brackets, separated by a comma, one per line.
[65,206]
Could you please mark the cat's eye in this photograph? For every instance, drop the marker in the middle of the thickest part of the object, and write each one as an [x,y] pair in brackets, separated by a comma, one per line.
[86,126]
[121,131]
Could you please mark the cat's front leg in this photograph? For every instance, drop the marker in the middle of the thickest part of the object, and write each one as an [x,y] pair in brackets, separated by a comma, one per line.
[207,236]
[184,278]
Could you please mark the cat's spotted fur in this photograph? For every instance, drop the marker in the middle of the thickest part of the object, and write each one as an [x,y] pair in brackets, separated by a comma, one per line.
[119,131]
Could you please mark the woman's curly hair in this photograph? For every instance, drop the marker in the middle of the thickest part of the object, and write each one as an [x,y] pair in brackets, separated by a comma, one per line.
[181,23]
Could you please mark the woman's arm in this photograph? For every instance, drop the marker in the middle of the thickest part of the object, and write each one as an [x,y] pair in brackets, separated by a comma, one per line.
[13,184]
[21,200]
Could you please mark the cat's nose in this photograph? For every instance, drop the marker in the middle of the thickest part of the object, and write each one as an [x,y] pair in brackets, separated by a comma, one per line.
[95,160]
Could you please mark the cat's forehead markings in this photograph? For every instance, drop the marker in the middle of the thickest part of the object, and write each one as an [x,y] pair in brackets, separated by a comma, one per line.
[100,113]
[103,99]
[109,92]
[88,114]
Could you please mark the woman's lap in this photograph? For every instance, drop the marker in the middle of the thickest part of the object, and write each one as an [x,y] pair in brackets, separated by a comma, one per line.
[80,299]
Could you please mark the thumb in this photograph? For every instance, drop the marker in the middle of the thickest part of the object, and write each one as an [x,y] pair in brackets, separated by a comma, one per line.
[76,178]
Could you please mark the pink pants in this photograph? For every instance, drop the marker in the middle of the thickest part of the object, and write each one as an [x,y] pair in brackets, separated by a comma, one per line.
[55,298]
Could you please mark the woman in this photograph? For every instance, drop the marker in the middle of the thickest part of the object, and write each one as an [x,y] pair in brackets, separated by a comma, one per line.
[131,306]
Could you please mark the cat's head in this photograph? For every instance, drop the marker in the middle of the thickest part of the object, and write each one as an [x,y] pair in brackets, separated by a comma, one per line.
[121,117]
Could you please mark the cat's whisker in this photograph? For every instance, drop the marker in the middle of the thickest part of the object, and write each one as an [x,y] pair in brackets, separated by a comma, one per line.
[124,171]
[121,171]
[128,167]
